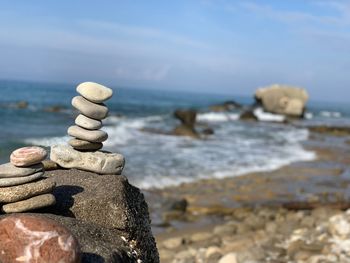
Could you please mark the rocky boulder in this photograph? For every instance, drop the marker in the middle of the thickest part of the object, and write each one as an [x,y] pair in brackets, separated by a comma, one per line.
[226,106]
[188,120]
[98,244]
[107,203]
[283,99]
[187,117]
[248,115]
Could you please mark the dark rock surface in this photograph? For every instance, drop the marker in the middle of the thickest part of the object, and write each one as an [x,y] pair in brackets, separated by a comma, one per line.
[226,106]
[187,117]
[98,244]
[188,121]
[248,115]
[109,202]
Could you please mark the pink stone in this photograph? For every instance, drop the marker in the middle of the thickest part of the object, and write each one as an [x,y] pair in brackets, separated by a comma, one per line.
[27,156]
[36,239]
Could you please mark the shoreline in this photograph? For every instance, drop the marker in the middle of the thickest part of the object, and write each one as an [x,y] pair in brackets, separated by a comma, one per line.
[210,203]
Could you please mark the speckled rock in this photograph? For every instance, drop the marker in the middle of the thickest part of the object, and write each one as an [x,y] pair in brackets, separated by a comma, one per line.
[4,182]
[87,123]
[27,156]
[98,244]
[85,145]
[9,170]
[98,162]
[87,135]
[33,239]
[90,109]
[17,193]
[94,92]
[30,204]
[108,201]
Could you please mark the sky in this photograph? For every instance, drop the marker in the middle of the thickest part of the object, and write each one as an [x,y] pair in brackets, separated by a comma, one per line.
[214,46]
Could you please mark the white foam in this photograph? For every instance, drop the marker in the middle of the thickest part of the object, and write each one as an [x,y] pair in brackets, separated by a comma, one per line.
[155,160]
[266,116]
[330,114]
[217,117]
[47,141]
[309,115]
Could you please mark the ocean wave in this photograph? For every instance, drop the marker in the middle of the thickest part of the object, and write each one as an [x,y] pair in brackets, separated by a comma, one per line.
[217,116]
[47,141]
[266,116]
[330,114]
[236,148]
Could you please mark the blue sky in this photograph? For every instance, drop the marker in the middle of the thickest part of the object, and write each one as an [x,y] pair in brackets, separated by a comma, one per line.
[200,45]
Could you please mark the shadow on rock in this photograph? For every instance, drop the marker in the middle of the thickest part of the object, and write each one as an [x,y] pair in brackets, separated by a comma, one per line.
[64,199]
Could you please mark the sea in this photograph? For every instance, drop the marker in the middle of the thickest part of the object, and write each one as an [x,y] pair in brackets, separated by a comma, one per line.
[158,160]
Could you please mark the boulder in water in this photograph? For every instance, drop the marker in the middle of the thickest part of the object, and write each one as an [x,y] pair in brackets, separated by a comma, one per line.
[283,99]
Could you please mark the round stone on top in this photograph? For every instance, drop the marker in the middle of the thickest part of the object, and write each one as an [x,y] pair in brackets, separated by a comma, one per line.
[27,156]
[32,238]
[94,92]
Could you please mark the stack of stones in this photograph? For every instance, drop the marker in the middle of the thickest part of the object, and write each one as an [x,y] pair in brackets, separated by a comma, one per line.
[87,134]
[83,152]
[22,186]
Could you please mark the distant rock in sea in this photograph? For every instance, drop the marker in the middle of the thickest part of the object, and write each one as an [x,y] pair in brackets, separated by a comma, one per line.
[282,99]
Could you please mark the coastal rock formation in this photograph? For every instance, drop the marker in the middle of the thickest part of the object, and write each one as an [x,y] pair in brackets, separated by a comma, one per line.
[22,183]
[248,115]
[282,99]
[226,106]
[188,120]
[108,202]
[32,238]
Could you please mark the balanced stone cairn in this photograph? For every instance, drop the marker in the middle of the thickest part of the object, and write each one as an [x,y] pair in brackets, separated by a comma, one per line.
[87,136]
[22,186]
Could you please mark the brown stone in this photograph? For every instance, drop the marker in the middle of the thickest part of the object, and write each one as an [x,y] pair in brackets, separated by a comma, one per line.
[33,203]
[85,145]
[25,191]
[27,156]
[34,239]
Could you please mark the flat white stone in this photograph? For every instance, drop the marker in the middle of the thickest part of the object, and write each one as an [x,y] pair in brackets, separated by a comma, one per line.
[9,170]
[88,123]
[20,180]
[90,109]
[87,135]
[94,92]
[98,162]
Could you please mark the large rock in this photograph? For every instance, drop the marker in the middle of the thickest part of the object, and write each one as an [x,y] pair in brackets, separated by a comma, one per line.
[188,120]
[183,130]
[98,162]
[187,117]
[98,244]
[108,201]
[283,99]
